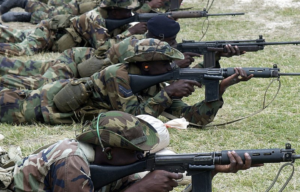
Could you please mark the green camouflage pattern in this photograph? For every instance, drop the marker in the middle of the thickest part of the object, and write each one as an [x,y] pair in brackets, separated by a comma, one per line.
[119,129]
[41,11]
[56,2]
[32,75]
[89,26]
[153,50]
[113,85]
[111,91]
[118,52]
[40,39]
[61,167]
[125,4]
[9,35]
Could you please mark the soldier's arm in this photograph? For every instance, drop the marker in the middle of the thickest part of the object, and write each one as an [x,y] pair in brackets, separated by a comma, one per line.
[200,113]
[70,174]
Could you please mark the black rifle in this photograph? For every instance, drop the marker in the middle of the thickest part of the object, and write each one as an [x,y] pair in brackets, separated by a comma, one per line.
[209,48]
[207,76]
[111,24]
[198,165]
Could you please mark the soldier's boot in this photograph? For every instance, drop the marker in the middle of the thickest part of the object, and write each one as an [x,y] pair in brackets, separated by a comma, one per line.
[16,17]
[9,4]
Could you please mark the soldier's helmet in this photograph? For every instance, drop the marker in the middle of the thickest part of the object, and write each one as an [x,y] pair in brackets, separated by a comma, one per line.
[133,50]
[120,129]
[153,50]
[118,52]
[125,4]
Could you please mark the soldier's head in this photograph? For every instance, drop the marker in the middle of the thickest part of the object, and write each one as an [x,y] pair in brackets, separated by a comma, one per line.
[119,138]
[119,9]
[163,28]
[153,57]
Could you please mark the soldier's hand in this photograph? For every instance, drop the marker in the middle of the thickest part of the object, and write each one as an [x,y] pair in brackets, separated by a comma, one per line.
[156,3]
[139,28]
[188,59]
[240,75]
[156,181]
[181,88]
[231,51]
[236,164]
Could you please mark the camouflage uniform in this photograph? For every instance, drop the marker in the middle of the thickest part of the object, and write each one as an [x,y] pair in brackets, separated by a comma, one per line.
[87,29]
[34,74]
[9,35]
[41,11]
[49,172]
[56,2]
[110,90]
[64,166]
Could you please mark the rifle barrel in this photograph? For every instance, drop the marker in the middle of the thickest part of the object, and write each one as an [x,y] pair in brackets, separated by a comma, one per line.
[266,43]
[296,157]
[221,14]
[289,74]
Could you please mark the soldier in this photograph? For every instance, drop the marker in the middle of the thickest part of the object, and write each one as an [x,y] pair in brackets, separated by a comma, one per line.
[37,11]
[113,138]
[72,63]
[61,33]
[83,62]
[65,101]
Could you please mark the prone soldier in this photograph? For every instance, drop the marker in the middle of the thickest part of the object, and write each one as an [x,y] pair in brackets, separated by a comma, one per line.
[67,100]
[112,138]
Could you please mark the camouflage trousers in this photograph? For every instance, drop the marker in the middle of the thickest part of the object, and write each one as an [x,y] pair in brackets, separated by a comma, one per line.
[25,106]
[30,75]
[41,11]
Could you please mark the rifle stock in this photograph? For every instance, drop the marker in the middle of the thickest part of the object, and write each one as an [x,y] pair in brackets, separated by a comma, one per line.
[112,24]
[209,77]
[194,164]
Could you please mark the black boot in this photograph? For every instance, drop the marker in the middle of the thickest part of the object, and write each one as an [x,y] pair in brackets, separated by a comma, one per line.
[9,4]
[16,17]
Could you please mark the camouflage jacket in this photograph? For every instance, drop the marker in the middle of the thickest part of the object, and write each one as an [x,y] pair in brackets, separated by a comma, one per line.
[91,26]
[111,91]
[64,166]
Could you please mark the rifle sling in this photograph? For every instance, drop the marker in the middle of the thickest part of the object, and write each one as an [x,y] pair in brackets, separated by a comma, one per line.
[170,116]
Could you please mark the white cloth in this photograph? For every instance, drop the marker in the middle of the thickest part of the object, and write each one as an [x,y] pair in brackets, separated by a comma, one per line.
[164,137]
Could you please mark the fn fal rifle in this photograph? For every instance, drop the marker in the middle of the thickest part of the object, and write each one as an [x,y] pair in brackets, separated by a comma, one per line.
[198,165]
[111,24]
[209,48]
[209,77]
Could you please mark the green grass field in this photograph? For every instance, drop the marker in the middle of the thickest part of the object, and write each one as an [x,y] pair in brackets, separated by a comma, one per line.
[272,128]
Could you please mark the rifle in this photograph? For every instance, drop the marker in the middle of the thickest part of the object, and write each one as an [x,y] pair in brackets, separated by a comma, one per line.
[198,165]
[112,24]
[206,76]
[209,48]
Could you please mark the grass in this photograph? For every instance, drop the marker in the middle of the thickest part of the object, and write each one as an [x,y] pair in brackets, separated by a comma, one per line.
[271,128]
